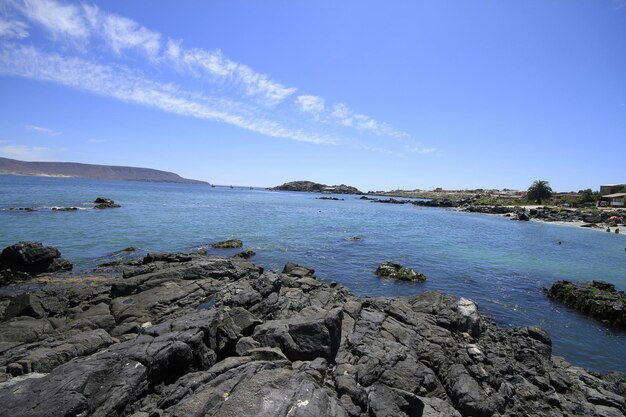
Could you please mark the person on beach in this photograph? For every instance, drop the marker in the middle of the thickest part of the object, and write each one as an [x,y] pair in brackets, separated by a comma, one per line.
[617,230]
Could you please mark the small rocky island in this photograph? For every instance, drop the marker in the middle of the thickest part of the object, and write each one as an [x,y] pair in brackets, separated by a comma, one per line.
[313,187]
[175,335]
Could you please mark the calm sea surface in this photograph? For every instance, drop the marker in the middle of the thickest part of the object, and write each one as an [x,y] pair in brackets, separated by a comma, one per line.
[501,264]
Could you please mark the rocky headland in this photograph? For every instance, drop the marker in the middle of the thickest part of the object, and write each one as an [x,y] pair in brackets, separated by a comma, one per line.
[313,187]
[190,335]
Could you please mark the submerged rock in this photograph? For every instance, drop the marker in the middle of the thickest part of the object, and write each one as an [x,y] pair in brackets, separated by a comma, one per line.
[246,254]
[597,299]
[189,335]
[397,271]
[228,244]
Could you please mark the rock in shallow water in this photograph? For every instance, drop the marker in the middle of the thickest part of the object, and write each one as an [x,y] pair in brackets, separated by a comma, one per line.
[397,271]
[597,299]
[270,344]
[33,258]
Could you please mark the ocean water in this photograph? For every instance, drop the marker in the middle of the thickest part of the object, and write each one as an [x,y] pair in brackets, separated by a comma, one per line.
[499,263]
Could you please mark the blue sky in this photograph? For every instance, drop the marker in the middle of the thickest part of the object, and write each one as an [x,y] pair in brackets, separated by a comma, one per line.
[380,95]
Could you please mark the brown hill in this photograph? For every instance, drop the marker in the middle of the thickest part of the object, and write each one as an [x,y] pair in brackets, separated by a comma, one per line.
[76,170]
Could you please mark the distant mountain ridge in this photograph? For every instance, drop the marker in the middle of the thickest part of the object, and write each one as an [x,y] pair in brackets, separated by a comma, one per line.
[78,170]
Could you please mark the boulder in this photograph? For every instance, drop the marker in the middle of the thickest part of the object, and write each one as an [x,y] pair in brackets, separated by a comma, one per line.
[521,217]
[303,339]
[33,258]
[298,271]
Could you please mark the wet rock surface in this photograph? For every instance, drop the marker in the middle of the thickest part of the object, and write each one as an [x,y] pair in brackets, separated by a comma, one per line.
[597,299]
[189,335]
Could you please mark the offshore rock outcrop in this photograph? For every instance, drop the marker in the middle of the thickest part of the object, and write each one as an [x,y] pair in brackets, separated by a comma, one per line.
[313,187]
[189,335]
[104,203]
[597,299]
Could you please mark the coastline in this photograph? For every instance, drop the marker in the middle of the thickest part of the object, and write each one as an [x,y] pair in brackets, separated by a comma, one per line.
[600,227]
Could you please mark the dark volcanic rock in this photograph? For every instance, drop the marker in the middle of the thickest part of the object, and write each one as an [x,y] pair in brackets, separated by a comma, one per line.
[597,299]
[188,335]
[33,258]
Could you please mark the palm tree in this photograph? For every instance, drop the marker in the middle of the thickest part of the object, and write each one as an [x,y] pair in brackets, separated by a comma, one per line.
[539,190]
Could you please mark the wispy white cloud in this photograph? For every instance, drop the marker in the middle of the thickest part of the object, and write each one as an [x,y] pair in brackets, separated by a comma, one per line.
[313,105]
[43,130]
[121,33]
[13,29]
[201,63]
[127,86]
[235,93]
[25,153]
[343,115]
[421,150]
[58,18]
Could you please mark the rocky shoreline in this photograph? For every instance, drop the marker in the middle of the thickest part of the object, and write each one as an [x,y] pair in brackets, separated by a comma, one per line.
[588,218]
[190,335]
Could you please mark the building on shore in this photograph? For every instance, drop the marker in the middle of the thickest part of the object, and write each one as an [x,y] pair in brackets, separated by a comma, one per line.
[615,200]
[607,189]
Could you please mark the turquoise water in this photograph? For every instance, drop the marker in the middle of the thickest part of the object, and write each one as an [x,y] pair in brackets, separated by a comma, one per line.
[501,264]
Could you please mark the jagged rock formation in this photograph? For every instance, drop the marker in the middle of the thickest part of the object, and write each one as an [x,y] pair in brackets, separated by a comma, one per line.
[188,335]
[313,187]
